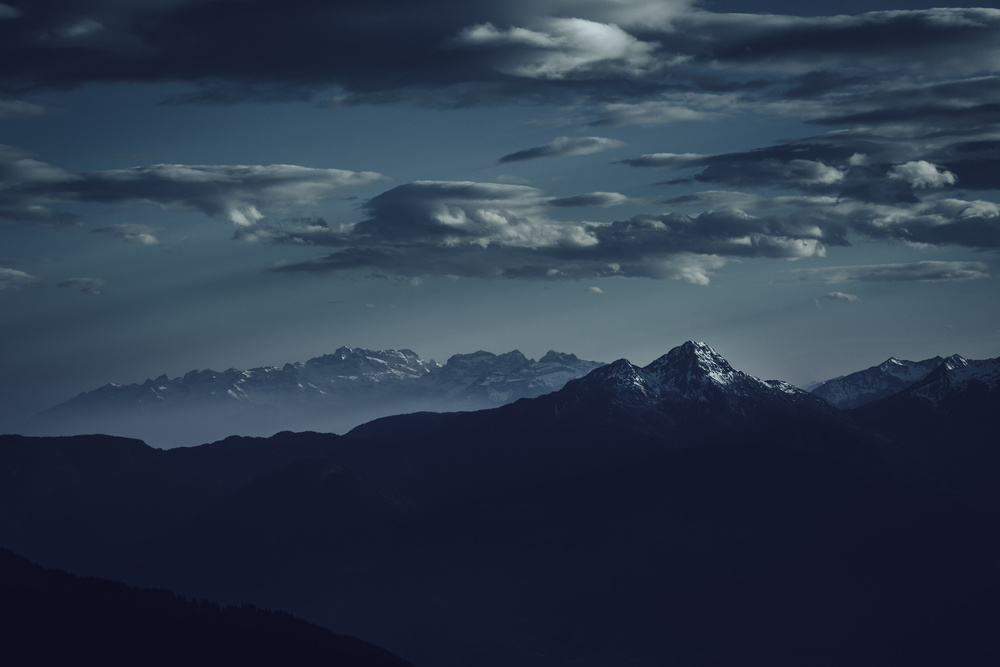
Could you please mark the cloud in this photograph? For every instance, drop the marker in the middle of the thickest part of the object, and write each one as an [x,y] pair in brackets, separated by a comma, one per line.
[910,99]
[854,181]
[922,174]
[511,180]
[132,233]
[641,62]
[717,199]
[668,160]
[589,199]
[974,224]
[562,48]
[928,271]
[237,193]
[842,296]
[85,285]
[809,164]
[13,279]
[934,40]
[671,108]
[385,49]
[10,108]
[563,147]
[595,290]
[495,230]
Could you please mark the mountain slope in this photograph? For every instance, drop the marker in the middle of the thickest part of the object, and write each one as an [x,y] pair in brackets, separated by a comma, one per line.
[941,420]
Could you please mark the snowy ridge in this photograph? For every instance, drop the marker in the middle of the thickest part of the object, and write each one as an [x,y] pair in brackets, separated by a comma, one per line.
[476,377]
[955,375]
[891,376]
[333,392]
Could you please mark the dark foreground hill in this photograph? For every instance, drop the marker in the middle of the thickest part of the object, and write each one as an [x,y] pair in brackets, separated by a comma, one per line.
[682,513]
[53,617]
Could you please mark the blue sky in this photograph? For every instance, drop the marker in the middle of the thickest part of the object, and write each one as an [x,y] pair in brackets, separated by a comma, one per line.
[233,183]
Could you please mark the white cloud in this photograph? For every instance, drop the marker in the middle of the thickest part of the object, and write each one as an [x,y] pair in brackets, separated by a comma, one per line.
[595,290]
[562,48]
[672,108]
[842,296]
[922,174]
[13,279]
[502,231]
[563,147]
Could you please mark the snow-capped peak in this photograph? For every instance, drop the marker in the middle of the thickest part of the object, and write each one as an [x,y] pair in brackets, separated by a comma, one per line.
[956,362]
[690,372]
[954,375]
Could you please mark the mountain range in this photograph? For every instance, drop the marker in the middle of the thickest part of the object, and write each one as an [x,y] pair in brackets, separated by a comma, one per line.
[683,512]
[333,392]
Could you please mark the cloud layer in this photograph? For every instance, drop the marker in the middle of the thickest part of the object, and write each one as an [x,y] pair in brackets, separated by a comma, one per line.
[927,271]
[452,52]
[906,147]
[503,231]
[29,189]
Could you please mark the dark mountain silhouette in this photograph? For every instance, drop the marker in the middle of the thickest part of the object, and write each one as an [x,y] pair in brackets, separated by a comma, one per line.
[680,513]
[51,616]
[942,421]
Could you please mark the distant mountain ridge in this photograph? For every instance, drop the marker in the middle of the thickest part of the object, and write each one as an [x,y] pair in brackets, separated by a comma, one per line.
[931,379]
[332,392]
[956,375]
[871,384]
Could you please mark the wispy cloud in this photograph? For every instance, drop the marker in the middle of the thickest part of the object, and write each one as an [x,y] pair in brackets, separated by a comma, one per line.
[927,271]
[563,147]
[132,233]
[86,285]
[589,199]
[10,108]
[842,296]
[13,279]
[238,193]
